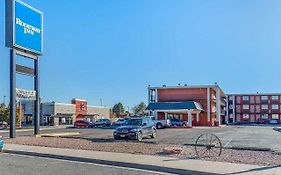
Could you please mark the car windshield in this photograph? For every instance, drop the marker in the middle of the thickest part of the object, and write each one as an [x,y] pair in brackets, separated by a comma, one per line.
[134,122]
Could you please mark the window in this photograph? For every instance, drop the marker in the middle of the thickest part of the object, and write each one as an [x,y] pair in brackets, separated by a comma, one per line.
[252,99]
[258,99]
[238,99]
[230,98]
[252,108]
[274,107]
[264,116]
[264,97]
[275,97]
[246,116]
[245,98]
[264,106]
[275,116]
[245,106]
[230,106]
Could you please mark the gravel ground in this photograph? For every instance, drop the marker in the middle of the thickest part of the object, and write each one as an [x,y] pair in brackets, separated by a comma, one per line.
[265,158]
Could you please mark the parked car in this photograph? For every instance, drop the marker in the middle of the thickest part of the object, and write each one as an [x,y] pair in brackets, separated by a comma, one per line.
[120,122]
[3,125]
[161,123]
[273,121]
[83,124]
[178,122]
[136,128]
[102,122]
[262,121]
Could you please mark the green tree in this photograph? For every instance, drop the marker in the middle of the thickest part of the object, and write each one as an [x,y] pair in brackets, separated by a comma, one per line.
[118,109]
[5,114]
[140,109]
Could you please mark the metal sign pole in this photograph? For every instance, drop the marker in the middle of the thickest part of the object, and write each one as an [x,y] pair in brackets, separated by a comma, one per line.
[37,101]
[12,93]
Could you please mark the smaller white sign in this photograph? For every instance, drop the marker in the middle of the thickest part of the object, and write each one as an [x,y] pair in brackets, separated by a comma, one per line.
[26,94]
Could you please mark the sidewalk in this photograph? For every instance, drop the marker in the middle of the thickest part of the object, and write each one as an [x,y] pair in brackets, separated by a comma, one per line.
[156,163]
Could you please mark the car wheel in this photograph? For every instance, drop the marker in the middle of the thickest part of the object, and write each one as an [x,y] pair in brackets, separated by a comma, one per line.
[159,126]
[103,125]
[153,134]
[139,136]
[117,138]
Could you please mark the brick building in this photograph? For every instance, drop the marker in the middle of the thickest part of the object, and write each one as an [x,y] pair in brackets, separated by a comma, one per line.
[248,108]
[203,105]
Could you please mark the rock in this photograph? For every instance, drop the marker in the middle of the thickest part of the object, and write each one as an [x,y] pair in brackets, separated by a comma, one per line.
[172,150]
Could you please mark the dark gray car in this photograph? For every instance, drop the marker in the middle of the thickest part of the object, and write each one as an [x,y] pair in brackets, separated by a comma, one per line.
[136,128]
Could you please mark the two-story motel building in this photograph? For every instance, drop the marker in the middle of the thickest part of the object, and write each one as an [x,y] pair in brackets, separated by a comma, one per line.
[203,105]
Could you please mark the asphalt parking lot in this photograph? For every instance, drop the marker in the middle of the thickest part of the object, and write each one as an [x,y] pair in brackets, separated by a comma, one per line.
[250,137]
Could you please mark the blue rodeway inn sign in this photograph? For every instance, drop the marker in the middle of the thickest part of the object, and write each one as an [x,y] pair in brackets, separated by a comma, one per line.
[24,27]
[24,37]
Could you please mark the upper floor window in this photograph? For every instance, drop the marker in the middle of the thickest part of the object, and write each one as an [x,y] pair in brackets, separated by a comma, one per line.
[264,106]
[245,98]
[230,106]
[237,107]
[258,99]
[264,97]
[238,99]
[252,99]
[245,106]
[230,97]
[275,97]
[275,107]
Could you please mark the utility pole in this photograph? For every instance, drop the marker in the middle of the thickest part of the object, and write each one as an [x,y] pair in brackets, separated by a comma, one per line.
[100,102]
[4,100]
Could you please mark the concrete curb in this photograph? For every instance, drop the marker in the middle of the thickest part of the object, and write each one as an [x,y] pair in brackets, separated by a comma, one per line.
[111,163]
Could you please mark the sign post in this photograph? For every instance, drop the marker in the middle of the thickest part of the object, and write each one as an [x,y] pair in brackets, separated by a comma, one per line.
[24,35]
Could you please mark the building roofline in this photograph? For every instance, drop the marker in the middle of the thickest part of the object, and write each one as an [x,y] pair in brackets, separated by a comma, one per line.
[77,99]
[67,104]
[253,94]
[189,86]
[98,106]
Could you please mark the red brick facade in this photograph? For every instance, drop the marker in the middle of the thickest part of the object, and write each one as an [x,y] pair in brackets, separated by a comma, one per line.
[248,108]
[197,94]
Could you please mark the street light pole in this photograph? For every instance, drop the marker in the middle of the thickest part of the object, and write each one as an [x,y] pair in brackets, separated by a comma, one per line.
[100,102]
[4,100]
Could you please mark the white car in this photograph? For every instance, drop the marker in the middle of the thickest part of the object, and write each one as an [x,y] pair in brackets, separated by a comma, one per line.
[159,124]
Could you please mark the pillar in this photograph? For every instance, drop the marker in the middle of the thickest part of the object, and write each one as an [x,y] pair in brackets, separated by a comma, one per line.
[189,118]
[218,105]
[227,111]
[197,118]
[208,107]
[234,109]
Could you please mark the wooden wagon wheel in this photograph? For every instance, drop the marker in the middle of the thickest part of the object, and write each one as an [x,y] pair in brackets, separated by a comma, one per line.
[208,145]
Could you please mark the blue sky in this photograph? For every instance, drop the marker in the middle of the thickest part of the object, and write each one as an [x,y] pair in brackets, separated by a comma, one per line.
[114,49]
